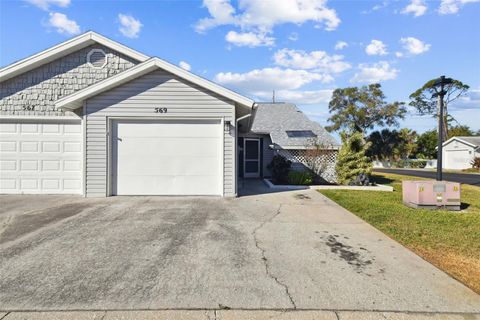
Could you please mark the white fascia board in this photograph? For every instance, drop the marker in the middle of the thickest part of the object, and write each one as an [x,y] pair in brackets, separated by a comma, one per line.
[459,140]
[204,83]
[75,100]
[63,49]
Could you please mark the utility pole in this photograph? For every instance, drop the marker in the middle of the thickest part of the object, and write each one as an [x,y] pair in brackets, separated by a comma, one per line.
[273,96]
[442,81]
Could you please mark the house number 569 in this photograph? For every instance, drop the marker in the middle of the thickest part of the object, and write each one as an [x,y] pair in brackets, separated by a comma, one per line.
[160,110]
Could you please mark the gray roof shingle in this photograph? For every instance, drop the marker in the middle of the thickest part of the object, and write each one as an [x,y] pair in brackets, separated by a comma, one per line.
[276,119]
[475,140]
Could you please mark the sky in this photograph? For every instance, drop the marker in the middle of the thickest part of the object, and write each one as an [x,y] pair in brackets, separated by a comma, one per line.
[302,49]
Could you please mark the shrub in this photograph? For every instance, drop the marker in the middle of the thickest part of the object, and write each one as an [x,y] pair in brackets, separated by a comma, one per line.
[352,159]
[476,163]
[279,166]
[300,178]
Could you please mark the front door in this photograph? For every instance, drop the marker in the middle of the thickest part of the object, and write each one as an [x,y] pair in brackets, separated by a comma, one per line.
[251,158]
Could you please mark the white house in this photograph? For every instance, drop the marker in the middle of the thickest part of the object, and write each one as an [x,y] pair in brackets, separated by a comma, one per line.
[458,152]
[91,116]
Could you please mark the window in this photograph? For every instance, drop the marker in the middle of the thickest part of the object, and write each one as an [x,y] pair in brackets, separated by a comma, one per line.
[97,58]
[300,134]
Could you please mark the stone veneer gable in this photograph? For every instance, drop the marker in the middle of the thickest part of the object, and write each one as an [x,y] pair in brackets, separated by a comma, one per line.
[41,87]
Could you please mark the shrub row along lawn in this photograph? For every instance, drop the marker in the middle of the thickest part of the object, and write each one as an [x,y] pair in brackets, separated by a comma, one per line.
[448,239]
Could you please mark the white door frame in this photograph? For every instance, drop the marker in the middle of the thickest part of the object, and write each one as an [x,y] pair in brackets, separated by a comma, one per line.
[110,121]
[256,174]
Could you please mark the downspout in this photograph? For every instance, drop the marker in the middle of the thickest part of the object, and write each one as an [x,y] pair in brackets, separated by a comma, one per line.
[236,147]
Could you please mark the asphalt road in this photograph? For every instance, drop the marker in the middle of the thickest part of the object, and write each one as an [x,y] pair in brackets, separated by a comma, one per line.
[466,178]
[294,250]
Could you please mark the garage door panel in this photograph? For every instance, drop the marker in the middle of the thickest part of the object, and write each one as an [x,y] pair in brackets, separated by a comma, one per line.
[168,166]
[35,158]
[168,185]
[168,128]
[167,157]
[165,147]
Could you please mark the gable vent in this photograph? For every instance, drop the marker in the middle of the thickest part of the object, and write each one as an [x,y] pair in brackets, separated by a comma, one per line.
[97,58]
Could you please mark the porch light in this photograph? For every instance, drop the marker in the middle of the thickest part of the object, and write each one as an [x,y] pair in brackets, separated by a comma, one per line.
[227,126]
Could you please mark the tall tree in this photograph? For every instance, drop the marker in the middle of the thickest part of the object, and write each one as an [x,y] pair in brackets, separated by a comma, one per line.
[382,144]
[426,102]
[359,109]
[427,144]
[459,131]
[407,143]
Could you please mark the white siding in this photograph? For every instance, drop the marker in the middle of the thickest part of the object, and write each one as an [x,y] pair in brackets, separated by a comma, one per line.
[138,98]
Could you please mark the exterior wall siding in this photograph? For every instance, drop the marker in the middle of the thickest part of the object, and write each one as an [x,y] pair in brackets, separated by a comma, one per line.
[138,98]
[38,89]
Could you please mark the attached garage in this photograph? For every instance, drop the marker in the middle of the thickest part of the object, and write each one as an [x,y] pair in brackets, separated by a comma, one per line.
[459,152]
[130,125]
[167,157]
[40,157]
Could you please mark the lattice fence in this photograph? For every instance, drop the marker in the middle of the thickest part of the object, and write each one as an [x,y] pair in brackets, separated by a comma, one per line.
[324,162]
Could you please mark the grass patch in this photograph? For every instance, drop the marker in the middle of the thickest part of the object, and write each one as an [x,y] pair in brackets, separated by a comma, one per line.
[448,239]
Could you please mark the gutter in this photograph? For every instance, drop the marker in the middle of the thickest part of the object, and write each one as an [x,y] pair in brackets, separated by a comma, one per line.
[236,144]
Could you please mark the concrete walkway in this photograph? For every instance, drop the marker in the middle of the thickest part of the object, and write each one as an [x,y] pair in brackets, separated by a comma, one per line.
[233,315]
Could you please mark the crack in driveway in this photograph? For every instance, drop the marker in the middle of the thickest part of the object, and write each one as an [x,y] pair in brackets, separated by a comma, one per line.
[265,260]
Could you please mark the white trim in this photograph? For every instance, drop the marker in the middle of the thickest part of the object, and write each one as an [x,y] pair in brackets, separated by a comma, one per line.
[65,48]
[222,156]
[84,148]
[459,140]
[40,118]
[74,100]
[89,55]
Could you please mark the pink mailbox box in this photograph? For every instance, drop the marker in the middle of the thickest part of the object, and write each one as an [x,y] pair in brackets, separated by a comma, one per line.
[431,194]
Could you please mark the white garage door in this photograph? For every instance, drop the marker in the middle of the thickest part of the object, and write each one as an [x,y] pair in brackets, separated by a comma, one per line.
[167,157]
[458,159]
[41,158]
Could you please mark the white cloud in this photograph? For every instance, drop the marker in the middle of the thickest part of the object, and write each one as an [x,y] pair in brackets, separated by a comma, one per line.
[376,72]
[319,61]
[185,65]
[452,6]
[261,16]
[130,27]
[399,54]
[416,7]
[45,4]
[268,79]
[221,13]
[470,101]
[297,96]
[249,39]
[293,36]
[340,45]
[376,47]
[63,24]
[414,46]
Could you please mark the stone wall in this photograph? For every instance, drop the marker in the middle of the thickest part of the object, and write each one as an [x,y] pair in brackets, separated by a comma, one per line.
[35,92]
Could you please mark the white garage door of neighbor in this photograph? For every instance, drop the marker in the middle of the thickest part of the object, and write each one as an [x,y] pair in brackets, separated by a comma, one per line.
[458,159]
[41,158]
[167,157]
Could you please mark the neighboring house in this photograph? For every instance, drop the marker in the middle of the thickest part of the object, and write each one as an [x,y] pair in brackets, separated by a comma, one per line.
[458,152]
[281,128]
[93,117]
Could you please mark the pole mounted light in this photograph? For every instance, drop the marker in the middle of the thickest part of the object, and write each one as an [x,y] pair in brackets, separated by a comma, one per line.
[440,83]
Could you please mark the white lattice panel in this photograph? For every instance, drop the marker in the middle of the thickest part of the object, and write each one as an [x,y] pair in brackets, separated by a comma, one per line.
[325,160]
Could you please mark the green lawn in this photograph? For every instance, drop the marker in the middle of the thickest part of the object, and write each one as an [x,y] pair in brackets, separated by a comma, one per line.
[450,240]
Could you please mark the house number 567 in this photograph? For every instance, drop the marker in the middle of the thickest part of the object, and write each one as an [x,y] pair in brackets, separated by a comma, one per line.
[160,110]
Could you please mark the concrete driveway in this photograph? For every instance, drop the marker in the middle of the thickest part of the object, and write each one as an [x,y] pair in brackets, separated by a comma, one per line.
[286,250]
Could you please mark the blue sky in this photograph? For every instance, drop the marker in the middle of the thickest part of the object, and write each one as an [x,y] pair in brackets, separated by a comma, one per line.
[303,49]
